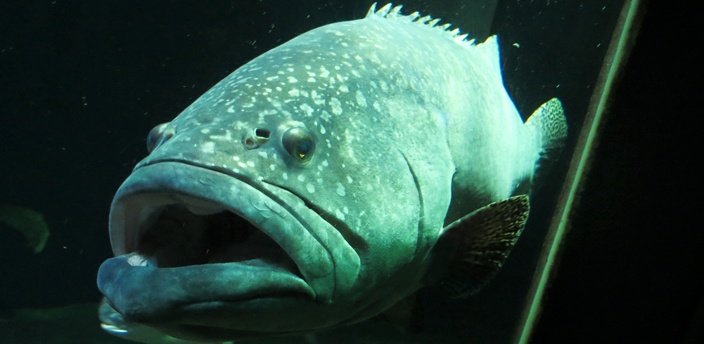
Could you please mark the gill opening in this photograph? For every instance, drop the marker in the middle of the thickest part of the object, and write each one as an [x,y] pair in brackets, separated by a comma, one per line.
[421,216]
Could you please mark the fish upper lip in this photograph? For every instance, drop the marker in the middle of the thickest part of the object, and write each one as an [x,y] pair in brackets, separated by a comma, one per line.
[154,186]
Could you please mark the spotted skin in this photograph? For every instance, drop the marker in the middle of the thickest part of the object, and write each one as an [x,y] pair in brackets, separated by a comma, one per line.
[410,128]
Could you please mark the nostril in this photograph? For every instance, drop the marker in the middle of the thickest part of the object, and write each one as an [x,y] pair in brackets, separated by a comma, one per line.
[256,137]
[159,134]
[262,133]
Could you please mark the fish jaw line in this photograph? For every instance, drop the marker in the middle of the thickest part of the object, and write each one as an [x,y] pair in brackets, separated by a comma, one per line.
[202,192]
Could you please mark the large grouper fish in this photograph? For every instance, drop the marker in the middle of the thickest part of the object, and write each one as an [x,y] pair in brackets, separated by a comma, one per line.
[325,181]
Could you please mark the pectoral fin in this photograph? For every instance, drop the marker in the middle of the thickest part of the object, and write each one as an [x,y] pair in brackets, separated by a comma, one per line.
[479,243]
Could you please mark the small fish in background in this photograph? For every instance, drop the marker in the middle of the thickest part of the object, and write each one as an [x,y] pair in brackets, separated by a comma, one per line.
[324,182]
[29,222]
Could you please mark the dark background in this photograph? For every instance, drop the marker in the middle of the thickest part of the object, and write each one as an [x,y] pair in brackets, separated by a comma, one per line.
[81,84]
[633,261]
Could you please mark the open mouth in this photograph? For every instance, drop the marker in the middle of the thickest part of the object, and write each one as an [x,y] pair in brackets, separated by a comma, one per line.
[198,232]
[188,237]
[203,254]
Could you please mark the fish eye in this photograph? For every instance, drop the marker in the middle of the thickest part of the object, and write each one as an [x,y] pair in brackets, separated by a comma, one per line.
[299,143]
[158,135]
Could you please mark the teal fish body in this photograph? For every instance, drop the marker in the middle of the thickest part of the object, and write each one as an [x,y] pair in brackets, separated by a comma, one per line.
[319,180]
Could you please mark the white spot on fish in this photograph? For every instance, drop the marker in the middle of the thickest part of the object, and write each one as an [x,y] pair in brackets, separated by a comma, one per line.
[236,158]
[294,92]
[307,109]
[311,79]
[336,106]
[349,180]
[324,114]
[208,147]
[322,130]
[231,109]
[361,101]
[272,78]
[226,137]
[250,163]
[317,99]
[325,163]
[241,164]
[205,131]
[339,214]
[292,80]
[275,103]
[310,187]
[272,167]
[301,178]
[340,189]
[324,72]
[344,88]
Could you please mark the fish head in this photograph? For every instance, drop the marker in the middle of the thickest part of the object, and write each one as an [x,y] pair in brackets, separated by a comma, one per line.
[277,203]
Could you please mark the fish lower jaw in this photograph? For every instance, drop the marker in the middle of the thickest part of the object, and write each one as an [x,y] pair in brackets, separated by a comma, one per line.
[141,293]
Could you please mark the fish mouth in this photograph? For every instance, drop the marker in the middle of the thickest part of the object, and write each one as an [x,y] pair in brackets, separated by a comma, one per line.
[195,246]
[195,232]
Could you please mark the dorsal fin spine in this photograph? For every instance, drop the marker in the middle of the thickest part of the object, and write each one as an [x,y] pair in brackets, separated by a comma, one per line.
[391,12]
[384,10]
[371,11]
[395,11]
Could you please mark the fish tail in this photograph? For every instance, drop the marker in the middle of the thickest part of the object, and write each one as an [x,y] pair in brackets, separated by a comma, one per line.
[549,128]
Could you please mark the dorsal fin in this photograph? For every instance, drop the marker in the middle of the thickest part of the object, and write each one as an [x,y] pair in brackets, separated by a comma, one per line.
[488,50]
[391,12]
[549,128]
